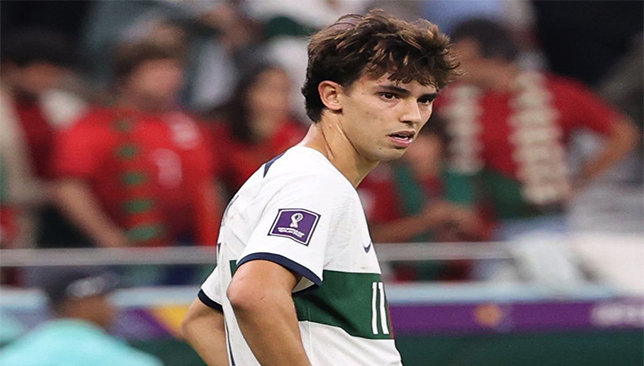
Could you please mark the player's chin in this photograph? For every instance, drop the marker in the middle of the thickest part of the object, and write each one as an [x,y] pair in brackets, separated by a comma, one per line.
[392,154]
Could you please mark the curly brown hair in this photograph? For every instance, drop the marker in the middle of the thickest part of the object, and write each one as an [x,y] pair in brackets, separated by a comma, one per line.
[376,44]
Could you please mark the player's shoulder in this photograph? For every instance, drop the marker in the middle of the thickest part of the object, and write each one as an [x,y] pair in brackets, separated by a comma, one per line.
[304,171]
[305,164]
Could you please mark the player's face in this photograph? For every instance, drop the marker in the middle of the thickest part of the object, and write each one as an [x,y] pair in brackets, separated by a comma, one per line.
[381,118]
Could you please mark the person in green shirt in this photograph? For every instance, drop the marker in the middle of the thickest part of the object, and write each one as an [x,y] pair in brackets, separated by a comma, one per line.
[77,336]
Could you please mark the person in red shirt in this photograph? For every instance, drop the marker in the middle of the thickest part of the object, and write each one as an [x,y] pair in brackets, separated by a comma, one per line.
[34,62]
[141,172]
[256,125]
[404,200]
[404,203]
[510,131]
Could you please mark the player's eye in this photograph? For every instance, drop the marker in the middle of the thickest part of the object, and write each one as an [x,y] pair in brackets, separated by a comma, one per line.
[388,96]
[426,101]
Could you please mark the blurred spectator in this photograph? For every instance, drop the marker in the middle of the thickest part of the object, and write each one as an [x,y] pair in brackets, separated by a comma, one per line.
[404,203]
[112,23]
[510,129]
[287,23]
[140,173]
[34,62]
[256,125]
[404,200]
[78,334]
[218,40]
[227,45]
[517,14]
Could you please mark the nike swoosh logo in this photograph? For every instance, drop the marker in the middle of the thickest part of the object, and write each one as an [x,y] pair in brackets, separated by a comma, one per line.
[367,248]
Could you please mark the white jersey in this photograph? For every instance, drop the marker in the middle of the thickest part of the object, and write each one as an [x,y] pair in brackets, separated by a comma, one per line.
[299,211]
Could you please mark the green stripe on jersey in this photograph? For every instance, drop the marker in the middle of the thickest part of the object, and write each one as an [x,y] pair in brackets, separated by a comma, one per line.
[355,302]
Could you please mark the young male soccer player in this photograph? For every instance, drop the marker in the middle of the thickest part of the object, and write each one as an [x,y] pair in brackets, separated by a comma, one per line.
[298,281]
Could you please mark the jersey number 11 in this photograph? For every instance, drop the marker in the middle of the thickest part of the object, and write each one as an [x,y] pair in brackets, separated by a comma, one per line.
[378,309]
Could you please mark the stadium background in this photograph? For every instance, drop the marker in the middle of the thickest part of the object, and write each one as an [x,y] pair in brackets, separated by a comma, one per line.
[536,321]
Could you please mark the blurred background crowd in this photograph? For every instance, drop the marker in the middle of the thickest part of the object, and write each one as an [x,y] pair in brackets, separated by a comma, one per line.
[132,123]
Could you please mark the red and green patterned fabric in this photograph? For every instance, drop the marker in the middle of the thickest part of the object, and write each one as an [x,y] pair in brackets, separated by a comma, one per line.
[151,173]
[509,147]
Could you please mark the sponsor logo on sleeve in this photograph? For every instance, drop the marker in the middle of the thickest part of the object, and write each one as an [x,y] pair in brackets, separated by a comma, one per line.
[295,223]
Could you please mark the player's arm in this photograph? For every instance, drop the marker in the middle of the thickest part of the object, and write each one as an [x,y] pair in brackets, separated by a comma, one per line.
[77,201]
[203,327]
[623,138]
[260,294]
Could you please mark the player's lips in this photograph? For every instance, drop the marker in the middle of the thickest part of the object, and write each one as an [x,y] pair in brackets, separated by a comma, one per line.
[402,138]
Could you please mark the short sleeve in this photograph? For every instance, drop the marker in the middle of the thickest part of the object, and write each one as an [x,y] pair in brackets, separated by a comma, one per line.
[298,225]
[210,292]
[78,150]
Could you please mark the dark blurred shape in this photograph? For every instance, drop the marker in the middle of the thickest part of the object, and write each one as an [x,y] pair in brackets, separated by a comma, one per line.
[494,40]
[129,57]
[33,45]
[623,85]
[78,299]
[66,17]
[584,39]
[65,284]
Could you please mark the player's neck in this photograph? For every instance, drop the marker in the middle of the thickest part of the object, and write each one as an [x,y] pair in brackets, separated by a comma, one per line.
[328,139]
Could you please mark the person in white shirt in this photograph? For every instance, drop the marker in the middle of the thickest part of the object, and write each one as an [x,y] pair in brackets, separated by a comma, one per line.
[297,280]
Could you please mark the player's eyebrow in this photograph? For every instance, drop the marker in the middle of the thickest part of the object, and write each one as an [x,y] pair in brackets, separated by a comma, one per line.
[395,89]
[430,96]
[404,92]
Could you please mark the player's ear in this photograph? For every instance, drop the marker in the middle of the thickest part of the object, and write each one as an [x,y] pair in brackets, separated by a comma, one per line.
[329,94]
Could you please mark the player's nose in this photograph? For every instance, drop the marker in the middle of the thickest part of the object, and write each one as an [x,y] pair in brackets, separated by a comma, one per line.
[413,113]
